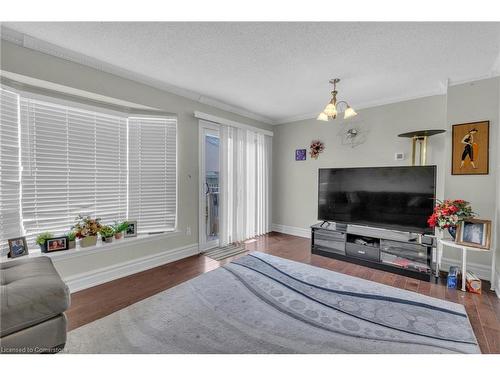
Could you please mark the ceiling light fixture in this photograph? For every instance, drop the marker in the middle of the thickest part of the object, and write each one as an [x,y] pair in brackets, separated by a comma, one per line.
[333,107]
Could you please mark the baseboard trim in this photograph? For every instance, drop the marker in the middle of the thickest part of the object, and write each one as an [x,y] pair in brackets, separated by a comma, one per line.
[103,275]
[294,231]
[482,271]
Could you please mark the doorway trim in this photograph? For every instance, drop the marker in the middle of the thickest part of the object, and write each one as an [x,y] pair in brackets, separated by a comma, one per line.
[204,127]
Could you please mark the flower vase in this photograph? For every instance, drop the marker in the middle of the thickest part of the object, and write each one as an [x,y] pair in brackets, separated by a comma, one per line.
[452,231]
[88,241]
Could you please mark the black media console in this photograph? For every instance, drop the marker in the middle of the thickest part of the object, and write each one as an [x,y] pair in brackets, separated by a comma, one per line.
[404,253]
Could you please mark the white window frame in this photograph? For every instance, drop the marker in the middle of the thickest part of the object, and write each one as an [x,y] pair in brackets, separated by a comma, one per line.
[103,110]
[176,218]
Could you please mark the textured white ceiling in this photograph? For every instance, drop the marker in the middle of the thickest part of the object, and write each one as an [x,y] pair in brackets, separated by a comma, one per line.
[280,71]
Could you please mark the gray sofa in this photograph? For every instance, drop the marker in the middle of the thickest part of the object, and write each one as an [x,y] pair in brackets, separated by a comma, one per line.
[33,300]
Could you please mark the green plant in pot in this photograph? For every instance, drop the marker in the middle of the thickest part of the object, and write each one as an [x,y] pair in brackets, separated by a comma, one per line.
[71,239]
[107,233]
[41,240]
[86,229]
[119,228]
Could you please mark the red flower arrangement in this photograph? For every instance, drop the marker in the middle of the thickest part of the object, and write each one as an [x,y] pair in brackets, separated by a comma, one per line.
[449,213]
[316,148]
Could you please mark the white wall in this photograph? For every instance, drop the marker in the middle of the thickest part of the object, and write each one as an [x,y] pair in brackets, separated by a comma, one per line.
[471,102]
[497,146]
[295,183]
[37,65]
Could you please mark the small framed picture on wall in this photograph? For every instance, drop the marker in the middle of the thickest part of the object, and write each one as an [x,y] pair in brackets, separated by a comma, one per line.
[474,233]
[300,154]
[470,148]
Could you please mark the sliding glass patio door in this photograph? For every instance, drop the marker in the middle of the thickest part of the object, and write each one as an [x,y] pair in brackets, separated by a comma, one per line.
[235,184]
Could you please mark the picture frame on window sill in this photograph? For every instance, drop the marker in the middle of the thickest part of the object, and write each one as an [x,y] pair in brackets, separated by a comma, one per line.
[131,230]
[57,244]
[474,233]
[17,247]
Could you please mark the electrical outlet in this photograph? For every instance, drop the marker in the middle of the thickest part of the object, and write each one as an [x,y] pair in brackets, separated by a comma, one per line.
[399,156]
[188,231]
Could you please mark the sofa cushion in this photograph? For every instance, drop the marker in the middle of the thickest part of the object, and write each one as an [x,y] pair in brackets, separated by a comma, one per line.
[31,292]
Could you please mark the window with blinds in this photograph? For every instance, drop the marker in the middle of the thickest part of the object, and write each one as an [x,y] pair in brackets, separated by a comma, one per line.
[10,219]
[58,161]
[74,162]
[152,173]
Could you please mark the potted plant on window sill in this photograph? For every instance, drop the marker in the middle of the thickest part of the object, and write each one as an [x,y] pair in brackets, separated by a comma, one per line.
[71,239]
[41,240]
[107,233]
[119,228]
[86,230]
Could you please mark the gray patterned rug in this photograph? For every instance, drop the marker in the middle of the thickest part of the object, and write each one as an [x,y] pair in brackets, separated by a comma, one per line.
[264,304]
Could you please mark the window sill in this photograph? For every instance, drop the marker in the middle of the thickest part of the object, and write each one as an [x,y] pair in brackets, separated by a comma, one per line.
[98,248]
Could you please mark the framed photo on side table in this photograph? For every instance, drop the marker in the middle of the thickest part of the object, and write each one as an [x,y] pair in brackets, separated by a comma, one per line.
[17,247]
[474,233]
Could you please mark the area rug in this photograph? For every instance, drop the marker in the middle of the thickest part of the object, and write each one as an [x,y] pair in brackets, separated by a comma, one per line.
[264,304]
[220,253]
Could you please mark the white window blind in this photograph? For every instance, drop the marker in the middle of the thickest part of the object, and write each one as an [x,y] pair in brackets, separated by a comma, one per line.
[153,173]
[10,220]
[245,184]
[74,161]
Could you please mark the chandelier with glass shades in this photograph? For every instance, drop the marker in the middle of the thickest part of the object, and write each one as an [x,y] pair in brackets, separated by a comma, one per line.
[334,107]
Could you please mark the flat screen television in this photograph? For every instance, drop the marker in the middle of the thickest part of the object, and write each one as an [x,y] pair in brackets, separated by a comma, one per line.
[400,198]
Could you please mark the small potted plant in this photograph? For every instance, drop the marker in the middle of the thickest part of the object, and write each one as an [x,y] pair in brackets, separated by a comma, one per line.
[119,228]
[41,240]
[86,229]
[71,239]
[107,233]
[449,213]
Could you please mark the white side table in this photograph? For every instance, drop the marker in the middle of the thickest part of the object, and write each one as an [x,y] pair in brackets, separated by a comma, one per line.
[464,248]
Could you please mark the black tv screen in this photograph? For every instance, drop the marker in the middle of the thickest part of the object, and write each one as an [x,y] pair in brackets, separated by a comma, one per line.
[399,198]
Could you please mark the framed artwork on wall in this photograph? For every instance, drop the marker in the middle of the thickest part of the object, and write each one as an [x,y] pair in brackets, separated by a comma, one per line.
[470,148]
[300,154]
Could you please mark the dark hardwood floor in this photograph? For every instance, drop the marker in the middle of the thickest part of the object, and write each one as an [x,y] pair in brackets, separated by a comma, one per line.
[97,302]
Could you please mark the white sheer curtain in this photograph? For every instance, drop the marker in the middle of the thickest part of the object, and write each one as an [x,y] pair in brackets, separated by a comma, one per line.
[245,184]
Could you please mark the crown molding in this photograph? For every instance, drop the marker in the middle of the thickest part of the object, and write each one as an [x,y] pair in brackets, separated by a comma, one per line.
[29,42]
[39,45]
[492,74]
[369,104]
[442,90]
[223,121]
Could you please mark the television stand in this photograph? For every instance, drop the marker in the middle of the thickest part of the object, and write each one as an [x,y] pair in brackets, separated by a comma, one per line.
[404,253]
[324,224]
